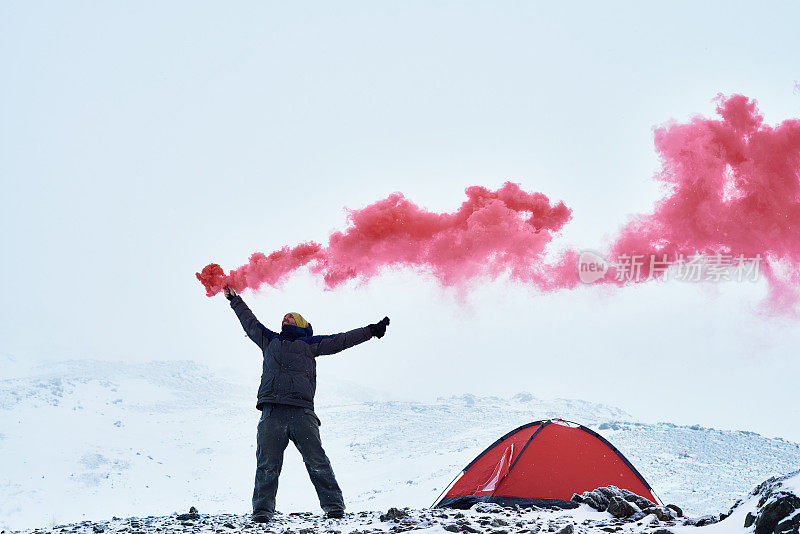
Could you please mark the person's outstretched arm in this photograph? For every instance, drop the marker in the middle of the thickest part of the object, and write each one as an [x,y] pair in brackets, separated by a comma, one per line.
[332,344]
[256,331]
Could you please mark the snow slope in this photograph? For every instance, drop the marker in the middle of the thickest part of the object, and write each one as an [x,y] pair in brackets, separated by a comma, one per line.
[89,440]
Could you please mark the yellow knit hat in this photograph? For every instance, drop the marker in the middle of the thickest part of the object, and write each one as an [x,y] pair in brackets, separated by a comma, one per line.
[298,319]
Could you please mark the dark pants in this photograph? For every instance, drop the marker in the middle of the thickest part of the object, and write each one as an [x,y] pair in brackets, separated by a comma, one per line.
[280,423]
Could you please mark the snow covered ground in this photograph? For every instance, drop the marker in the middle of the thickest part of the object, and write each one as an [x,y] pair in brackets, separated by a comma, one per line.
[90,440]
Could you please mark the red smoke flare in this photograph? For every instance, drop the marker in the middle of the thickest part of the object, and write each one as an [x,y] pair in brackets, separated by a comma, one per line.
[261,269]
[734,188]
[493,232]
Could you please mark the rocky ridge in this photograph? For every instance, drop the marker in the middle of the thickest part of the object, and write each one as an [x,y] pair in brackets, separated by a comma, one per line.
[773,507]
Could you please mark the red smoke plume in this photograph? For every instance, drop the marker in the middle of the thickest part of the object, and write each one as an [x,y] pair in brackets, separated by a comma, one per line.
[733,188]
[491,233]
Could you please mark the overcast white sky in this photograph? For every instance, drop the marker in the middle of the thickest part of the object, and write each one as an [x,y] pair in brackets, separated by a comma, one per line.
[141,141]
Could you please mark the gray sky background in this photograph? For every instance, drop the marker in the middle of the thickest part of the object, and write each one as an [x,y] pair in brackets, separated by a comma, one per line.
[141,141]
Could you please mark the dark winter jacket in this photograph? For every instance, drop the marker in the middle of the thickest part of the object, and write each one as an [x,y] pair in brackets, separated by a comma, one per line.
[289,371]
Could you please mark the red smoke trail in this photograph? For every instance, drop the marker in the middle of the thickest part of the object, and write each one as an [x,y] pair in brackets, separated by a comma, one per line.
[261,269]
[493,232]
[734,188]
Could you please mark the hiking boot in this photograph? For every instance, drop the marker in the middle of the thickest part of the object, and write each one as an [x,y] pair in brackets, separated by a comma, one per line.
[262,518]
[334,514]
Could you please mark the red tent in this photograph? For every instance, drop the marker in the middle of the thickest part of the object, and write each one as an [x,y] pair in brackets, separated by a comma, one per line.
[543,464]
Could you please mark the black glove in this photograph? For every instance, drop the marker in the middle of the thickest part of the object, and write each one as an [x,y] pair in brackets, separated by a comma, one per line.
[229,293]
[379,329]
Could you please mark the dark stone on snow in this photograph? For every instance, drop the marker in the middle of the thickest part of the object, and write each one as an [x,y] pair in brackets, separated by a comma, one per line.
[663,514]
[631,497]
[776,512]
[188,517]
[662,531]
[619,507]
[192,510]
[788,526]
[593,499]
[637,516]
[749,519]
[702,521]
[608,492]
[393,514]
[676,509]
[601,498]
[569,529]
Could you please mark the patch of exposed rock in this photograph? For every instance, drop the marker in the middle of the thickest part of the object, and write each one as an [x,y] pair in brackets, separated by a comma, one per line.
[773,506]
[624,504]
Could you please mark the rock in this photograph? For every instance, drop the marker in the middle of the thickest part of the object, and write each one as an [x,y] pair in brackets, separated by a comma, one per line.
[663,514]
[188,517]
[608,492]
[638,500]
[598,501]
[662,531]
[790,525]
[98,529]
[488,508]
[452,528]
[192,510]
[569,529]
[619,507]
[393,514]
[702,521]
[601,498]
[749,519]
[636,516]
[775,515]
[675,509]
[497,522]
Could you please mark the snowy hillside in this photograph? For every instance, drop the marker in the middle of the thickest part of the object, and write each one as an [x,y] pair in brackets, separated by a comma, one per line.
[90,440]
